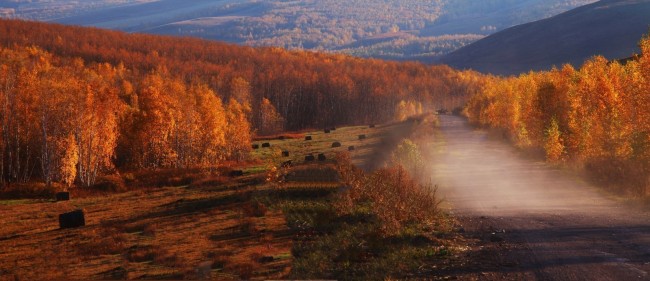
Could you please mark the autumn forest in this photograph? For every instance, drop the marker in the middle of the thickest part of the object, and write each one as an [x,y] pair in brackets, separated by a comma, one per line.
[81,102]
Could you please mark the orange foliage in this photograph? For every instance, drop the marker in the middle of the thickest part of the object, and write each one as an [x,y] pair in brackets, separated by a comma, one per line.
[597,114]
[77,103]
[309,90]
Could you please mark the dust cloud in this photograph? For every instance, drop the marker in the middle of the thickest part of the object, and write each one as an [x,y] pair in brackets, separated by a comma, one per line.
[484,176]
[561,227]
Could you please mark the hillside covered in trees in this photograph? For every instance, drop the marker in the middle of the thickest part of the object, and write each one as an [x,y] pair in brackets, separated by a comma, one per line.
[392,29]
[596,116]
[79,102]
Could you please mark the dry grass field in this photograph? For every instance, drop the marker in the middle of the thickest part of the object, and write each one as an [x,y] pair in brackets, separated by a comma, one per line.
[163,233]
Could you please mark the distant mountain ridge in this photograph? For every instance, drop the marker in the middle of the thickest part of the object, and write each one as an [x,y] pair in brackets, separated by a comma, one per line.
[388,29]
[611,28]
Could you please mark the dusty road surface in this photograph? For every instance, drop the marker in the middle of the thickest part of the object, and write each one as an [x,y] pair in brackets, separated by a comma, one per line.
[534,222]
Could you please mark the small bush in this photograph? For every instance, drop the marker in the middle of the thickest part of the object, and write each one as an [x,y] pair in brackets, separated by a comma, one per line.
[141,254]
[129,177]
[395,198]
[408,155]
[254,209]
[110,183]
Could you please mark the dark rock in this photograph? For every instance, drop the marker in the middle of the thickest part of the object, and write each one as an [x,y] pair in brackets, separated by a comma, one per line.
[336,144]
[308,138]
[285,153]
[310,158]
[62,196]
[351,148]
[72,219]
[266,144]
[322,157]
[362,137]
[256,146]
[327,131]
[495,237]
[236,173]
[372,126]
[282,137]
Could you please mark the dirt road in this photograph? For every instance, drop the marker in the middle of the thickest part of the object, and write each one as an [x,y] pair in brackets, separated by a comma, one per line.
[532,221]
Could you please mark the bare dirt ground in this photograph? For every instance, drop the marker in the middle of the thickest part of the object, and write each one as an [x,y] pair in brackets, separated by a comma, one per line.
[530,221]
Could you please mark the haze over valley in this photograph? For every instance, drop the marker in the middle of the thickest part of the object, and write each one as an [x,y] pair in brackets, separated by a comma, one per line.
[410,29]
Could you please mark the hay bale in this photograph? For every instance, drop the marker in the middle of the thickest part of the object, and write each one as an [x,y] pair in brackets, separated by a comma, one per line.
[72,219]
[310,158]
[236,173]
[322,157]
[351,148]
[266,259]
[287,164]
[308,138]
[327,131]
[256,146]
[336,144]
[62,196]
[285,153]
[362,137]
[266,144]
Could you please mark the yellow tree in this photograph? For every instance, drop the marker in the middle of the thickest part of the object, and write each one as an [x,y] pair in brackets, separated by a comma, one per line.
[238,131]
[154,125]
[96,122]
[554,146]
[211,138]
[240,90]
[272,121]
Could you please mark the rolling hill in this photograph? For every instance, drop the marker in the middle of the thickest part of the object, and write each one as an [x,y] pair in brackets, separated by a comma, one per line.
[611,28]
[389,29]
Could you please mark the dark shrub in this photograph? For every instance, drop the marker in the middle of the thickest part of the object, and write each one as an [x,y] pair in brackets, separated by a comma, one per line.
[62,196]
[111,183]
